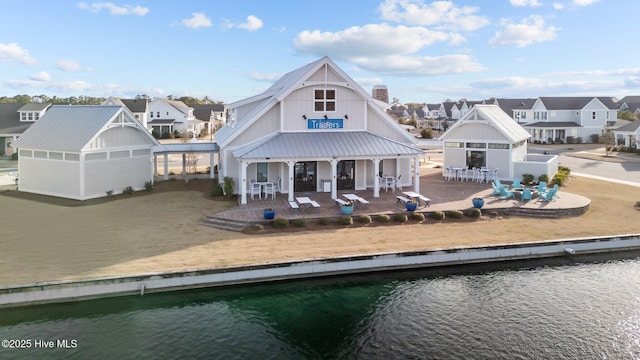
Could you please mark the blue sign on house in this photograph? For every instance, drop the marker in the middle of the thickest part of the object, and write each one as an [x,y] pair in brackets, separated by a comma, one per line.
[324,124]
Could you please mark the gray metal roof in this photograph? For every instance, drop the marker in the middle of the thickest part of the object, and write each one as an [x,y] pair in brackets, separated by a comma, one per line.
[314,145]
[631,127]
[185,148]
[67,127]
[574,102]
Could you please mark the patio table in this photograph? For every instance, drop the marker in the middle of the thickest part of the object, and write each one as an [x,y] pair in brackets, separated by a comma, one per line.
[352,197]
[416,196]
[304,201]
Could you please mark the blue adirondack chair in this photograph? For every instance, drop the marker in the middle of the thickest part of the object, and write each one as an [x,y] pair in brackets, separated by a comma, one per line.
[542,187]
[549,195]
[496,188]
[526,195]
[516,184]
[505,194]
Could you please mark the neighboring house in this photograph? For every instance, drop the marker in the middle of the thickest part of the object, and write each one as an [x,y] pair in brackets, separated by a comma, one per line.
[85,151]
[169,116]
[138,107]
[519,109]
[15,118]
[315,130]
[487,137]
[213,116]
[630,103]
[628,135]
[557,118]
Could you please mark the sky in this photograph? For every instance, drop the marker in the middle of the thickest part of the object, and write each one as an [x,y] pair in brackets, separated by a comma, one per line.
[423,51]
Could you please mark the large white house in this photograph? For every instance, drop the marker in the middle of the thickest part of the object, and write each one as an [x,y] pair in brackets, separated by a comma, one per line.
[315,130]
[167,116]
[557,118]
[85,151]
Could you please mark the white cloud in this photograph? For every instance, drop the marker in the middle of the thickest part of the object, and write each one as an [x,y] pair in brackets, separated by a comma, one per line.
[443,14]
[252,24]
[114,9]
[265,77]
[69,65]
[13,52]
[40,76]
[531,30]
[419,65]
[197,20]
[584,2]
[558,6]
[369,81]
[368,40]
[521,3]
[70,88]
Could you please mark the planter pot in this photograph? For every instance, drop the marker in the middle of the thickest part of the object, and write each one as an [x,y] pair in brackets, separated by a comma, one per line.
[346,210]
[478,203]
[269,214]
[411,206]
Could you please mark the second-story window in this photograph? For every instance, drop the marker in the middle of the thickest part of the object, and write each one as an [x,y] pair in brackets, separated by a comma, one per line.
[324,100]
[593,115]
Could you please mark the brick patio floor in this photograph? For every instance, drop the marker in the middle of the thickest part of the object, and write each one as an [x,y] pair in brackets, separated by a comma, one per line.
[444,195]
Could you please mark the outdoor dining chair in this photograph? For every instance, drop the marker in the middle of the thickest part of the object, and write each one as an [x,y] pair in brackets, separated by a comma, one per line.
[269,189]
[256,189]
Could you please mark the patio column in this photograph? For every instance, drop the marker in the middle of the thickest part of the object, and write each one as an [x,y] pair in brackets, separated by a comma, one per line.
[291,194]
[166,166]
[376,178]
[416,174]
[334,178]
[155,164]
[243,182]
[212,165]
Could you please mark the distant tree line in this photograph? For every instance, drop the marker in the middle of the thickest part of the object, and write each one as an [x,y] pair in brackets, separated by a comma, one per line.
[90,100]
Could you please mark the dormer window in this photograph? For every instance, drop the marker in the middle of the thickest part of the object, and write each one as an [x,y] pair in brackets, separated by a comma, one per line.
[324,100]
[29,115]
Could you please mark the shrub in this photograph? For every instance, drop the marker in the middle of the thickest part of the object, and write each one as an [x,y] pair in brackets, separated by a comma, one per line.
[564,169]
[384,218]
[228,185]
[148,185]
[299,222]
[455,214]
[527,178]
[109,192]
[256,227]
[400,217]
[416,216]
[559,178]
[637,205]
[474,213]
[426,134]
[14,156]
[543,177]
[128,190]
[595,138]
[215,189]
[437,215]
[364,219]
[281,223]
[571,140]
[345,220]
[324,221]
[579,140]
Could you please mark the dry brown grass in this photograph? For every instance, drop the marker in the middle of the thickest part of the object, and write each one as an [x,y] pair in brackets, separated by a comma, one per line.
[161,232]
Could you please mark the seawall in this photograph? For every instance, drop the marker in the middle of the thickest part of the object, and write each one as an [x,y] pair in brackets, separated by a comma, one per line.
[84,289]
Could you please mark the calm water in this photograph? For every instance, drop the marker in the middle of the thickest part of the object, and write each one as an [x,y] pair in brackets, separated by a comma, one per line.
[581,308]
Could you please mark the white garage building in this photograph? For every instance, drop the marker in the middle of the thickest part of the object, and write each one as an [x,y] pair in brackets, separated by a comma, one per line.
[83,152]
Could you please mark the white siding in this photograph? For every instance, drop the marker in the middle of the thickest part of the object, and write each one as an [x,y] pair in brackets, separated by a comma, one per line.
[480,131]
[269,123]
[118,137]
[50,177]
[102,176]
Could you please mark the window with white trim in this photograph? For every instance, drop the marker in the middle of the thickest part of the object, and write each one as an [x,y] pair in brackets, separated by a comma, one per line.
[324,100]
[593,115]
